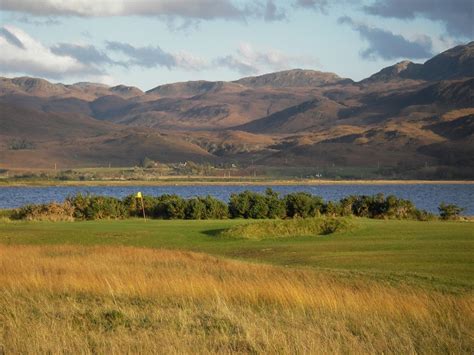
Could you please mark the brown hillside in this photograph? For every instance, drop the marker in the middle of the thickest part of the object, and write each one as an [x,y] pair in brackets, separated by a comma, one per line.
[406,117]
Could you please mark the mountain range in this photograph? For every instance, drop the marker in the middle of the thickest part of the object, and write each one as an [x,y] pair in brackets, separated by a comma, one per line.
[408,117]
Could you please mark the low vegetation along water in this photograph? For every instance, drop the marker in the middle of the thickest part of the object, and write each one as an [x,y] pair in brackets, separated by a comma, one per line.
[424,196]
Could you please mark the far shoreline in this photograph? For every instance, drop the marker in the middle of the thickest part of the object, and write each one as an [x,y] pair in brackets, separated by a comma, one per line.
[229,182]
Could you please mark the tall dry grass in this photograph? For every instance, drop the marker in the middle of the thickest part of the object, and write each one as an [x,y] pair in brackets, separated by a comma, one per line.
[73,299]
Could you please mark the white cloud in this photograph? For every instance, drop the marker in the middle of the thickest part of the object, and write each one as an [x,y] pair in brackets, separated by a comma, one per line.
[103,79]
[33,58]
[155,56]
[22,54]
[248,60]
[194,9]
[190,61]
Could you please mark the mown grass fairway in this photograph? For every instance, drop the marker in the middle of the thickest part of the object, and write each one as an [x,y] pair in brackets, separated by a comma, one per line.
[436,252]
[129,286]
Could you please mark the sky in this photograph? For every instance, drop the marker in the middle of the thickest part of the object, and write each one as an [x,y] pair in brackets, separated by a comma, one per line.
[146,43]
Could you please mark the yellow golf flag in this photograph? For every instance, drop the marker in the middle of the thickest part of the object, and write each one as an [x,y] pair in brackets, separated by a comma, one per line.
[140,196]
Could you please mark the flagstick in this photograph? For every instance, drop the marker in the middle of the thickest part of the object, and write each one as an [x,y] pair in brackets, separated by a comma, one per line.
[143,208]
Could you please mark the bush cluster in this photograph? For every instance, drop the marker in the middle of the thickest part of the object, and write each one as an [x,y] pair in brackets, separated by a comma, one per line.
[92,207]
[45,212]
[449,211]
[175,207]
[378,206]
[253,205]
[303,205]
[247,204]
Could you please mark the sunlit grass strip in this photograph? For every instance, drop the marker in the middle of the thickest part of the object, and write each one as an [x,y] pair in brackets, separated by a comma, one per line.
[117,299]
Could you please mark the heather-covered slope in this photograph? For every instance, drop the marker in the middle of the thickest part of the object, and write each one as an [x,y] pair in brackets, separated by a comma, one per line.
[406,115]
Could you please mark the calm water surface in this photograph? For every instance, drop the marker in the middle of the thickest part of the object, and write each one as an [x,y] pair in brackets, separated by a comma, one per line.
[425,196]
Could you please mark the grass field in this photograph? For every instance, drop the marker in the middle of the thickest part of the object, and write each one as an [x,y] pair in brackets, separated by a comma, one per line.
[178,286]
[126,176]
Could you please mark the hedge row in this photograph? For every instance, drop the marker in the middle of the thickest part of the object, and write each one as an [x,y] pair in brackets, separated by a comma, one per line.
[249,205]
[90,207]
[301,204]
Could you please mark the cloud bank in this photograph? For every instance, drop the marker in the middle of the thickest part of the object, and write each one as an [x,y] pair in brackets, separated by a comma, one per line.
[154,56]
[21,53]
[456,15]
[247,60]
[186,9]
[387,45]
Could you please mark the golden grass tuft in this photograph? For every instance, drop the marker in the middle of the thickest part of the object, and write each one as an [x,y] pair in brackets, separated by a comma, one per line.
[71,299]
[297,227]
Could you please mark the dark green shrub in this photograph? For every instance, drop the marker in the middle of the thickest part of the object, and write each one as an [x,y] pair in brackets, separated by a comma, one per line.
[361,206]
[248,204]
[239,204]
[422,215]
[80,203]
[134,207]
[302,204]
[97,207]
[449,211]
[378,206]
[400,209]
[332,209]
[195,209]
[214,208]
[276,206]
[258,208]
[345,205]
[169,207]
